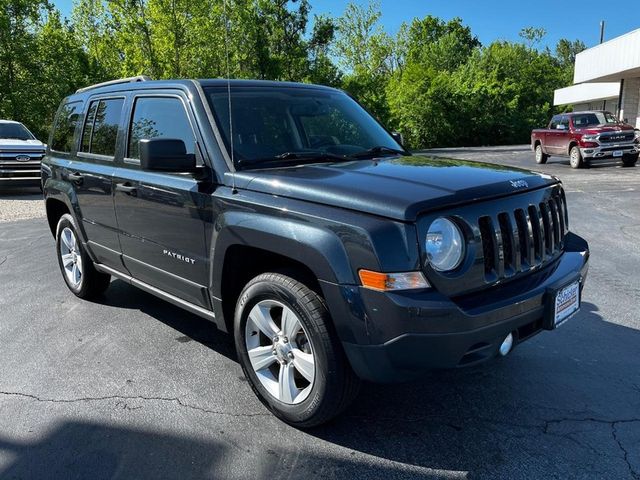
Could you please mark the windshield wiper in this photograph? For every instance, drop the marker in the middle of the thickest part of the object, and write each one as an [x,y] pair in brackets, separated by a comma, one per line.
[300,157]
[377,151]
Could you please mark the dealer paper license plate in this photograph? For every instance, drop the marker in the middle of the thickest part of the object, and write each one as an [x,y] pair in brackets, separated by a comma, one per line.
[567,303]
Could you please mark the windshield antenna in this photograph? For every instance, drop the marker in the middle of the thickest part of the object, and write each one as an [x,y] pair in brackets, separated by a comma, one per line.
[227,26]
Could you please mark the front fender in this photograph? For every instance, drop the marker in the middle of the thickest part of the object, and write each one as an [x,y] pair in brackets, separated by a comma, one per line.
[316,247]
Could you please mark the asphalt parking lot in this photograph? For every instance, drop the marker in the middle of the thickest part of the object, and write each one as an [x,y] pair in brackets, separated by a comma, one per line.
[132,387]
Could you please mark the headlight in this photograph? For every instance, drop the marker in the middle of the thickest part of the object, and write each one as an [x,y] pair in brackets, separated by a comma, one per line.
[589,138]
[445,246]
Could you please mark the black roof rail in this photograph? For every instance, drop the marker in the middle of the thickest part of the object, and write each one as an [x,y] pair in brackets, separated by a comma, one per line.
[139,78]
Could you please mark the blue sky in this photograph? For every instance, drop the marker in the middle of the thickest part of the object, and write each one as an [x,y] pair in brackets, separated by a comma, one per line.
[497,19]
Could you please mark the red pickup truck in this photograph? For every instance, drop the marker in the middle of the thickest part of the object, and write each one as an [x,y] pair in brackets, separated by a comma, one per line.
[586,136]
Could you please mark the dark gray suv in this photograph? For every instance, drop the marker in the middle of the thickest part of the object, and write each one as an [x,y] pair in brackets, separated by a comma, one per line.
[288,216]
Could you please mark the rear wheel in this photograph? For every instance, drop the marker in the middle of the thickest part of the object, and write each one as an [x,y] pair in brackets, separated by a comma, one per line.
[541,157]
[77,268]
[629,160]
[289,353]
[575,158]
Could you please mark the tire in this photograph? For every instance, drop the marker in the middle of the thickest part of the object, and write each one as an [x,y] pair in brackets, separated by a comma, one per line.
[575,157]
[307,357]
[629,160]
[77,268]
[541,157]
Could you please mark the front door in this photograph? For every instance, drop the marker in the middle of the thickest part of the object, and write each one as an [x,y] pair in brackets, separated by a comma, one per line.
[163,218]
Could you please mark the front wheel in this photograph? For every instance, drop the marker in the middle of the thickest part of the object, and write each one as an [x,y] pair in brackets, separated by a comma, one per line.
[77,268]
[541,157]
[289,353]
[629,160]
[575,158]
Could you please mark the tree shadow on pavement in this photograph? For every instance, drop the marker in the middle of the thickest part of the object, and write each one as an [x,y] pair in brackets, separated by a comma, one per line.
[88,450]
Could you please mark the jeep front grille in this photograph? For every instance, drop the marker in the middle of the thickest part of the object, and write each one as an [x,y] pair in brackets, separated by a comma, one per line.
[519,240]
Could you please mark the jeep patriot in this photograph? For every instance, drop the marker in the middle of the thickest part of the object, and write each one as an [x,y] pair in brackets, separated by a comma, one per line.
[292,219]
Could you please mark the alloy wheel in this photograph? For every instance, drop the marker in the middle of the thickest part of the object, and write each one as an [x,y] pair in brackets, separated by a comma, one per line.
[71,257]
[280,351]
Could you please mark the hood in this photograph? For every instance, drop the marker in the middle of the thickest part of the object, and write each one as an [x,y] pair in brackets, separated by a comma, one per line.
[13,144]
[399,188]
[607,127]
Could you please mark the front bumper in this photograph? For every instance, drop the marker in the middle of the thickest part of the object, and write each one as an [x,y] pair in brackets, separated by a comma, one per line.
[603,151]
[412,332]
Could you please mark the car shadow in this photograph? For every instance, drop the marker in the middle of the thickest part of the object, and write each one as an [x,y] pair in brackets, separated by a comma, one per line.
[20,193]
[192,327]
[488,420]
[468,419]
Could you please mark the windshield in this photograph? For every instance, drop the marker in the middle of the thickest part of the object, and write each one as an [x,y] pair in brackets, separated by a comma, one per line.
[15,131]
[584,120]
[290,123]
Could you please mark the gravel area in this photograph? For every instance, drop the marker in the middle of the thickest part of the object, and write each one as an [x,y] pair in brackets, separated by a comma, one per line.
[20,204]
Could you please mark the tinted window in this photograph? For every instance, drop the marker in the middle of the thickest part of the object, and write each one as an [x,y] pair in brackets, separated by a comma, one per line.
[270,122]
[159,117]
[101,127]
[88,127]
[65,126]
[565,121]
[15,131]
[554,122]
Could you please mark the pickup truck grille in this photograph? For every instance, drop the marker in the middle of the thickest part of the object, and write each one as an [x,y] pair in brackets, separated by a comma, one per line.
[617,137]
[11,168]
[519,240]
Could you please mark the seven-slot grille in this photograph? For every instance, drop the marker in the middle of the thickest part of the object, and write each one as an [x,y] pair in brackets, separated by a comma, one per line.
[519,240]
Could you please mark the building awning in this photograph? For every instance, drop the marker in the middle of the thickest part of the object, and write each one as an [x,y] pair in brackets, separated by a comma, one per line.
[610,61]
[586,92]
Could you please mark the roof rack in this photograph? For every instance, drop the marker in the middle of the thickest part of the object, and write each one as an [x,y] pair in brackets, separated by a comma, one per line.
[139,78]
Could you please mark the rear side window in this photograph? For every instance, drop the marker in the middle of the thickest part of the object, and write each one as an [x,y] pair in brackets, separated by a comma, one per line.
[65,127]
[159,117]
[101,127]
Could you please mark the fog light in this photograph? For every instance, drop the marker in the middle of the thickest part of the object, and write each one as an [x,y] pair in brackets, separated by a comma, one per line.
[507,345]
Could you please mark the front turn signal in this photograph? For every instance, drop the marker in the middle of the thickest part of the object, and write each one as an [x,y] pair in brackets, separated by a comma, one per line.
[393,281]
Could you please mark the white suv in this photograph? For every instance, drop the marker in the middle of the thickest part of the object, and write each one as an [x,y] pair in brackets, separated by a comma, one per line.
[20,154]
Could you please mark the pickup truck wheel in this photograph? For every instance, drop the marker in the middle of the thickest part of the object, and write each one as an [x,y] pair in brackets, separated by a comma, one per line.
[575,158]
[77,268]
[289,353]
[541,157]
[629,160]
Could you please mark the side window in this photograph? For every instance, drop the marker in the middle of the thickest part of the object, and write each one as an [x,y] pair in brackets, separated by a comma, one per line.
[87,131]
[65,127]
[159,117]
[101,127]
[565,121]
[554,122]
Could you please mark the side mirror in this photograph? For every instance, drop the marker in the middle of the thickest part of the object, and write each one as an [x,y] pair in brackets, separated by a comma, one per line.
[166,155]
[397,136]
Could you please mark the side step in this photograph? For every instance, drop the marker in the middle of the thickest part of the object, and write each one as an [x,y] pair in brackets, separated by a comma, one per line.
[179,302]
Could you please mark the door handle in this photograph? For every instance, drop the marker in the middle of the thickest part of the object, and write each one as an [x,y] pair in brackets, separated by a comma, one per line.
[75,178]
[127,188]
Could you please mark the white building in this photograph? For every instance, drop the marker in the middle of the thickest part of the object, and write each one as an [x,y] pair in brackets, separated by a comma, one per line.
[607,76]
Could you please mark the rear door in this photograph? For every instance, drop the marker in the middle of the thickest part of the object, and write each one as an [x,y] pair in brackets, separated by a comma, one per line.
[91,173]
[161,216]
[552,136]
